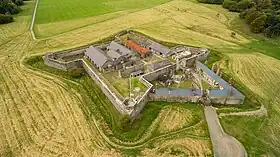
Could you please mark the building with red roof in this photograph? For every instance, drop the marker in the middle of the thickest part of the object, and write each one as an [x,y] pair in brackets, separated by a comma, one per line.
[143,52]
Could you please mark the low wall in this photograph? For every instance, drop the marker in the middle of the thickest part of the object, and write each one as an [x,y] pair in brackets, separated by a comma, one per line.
[170,69]
[169,98]
[65,66]
[227,100]
[129,70]
[109,94]
[141,103]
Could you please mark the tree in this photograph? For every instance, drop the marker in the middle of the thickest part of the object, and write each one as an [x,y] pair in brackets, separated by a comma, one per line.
[211,1]
[250,17]
[5,19]
[258,24]
[273,31]
[244,4]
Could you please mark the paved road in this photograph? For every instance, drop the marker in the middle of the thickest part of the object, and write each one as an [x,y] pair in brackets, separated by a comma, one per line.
[223,144]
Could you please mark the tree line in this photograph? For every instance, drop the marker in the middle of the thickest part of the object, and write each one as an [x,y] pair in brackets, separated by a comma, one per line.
[261,15]
[9,8]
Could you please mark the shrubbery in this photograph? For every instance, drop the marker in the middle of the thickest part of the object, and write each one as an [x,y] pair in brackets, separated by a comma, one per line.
[77,72]
[7,8]
[5,19]
[211,1]
[125,123]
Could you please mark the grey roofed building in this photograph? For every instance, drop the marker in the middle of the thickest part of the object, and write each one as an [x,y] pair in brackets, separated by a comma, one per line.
[160,48]
[113,54]
[96,55]
[122,50]
[226,86]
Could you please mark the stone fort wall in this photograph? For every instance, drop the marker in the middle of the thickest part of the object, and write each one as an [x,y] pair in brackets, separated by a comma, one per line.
[119,105]
[169,98]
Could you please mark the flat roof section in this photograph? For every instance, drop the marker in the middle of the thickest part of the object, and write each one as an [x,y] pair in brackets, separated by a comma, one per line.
[177,92]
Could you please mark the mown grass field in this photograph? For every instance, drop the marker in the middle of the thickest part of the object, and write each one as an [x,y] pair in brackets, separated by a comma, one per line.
[63,10]
[45,114]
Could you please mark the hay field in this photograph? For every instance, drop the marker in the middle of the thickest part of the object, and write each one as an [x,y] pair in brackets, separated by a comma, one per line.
[180,147]
[261,74]
[176,21]
[173,118]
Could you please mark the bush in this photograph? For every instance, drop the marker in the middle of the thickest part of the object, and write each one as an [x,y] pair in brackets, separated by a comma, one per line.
[244,4]
[18,2]
[257,25]
[9,7]
[211,1]
[5,19]
[77,72]
[125,123]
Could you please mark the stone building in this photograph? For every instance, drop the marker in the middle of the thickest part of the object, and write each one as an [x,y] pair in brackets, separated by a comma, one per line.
[157,65]
[160,49]
[98,58]
[226,94]
[112,59]
[142,52]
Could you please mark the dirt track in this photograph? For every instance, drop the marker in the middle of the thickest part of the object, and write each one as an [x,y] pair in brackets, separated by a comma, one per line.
[260,112]
[223,144]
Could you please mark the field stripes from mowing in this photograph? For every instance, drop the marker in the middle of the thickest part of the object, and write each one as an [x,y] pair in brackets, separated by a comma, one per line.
[53,11]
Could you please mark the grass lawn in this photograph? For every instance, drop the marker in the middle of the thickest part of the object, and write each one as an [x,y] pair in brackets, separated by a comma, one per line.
[136,83]
[120,84]
[254,133]
[62,10]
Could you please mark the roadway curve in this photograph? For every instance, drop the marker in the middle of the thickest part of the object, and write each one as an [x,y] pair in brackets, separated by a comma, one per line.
[223,144]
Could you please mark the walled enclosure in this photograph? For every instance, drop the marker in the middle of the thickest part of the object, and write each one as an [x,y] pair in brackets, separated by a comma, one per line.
[67,60]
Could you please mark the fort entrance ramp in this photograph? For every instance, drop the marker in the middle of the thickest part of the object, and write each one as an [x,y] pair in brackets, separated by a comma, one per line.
[223,144]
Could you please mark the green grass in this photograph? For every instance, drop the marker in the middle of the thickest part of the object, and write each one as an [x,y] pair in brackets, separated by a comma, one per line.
[54,11]
[253,133]
[120,84]
[136,83]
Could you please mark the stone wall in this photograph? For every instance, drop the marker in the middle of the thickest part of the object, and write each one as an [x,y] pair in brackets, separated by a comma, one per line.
[56,59]
[204,56]
[169,98]
[126,72]
[226,100]
[65,66]
[141,103]
[169,70]
[119,105]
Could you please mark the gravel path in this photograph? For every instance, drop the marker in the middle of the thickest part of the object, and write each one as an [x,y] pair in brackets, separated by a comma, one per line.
[223,144]
[33,20]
